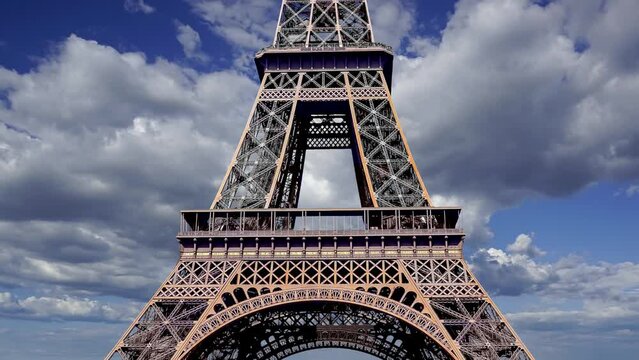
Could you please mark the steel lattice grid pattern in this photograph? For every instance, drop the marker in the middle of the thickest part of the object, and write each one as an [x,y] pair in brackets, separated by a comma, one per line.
[320,23]
[253,180]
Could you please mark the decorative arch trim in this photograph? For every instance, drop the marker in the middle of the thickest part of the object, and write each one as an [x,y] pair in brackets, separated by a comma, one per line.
[216,321]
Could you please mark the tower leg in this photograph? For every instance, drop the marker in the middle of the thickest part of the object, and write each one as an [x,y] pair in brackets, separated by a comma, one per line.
[464,308]
[250,180]
[392,174]
[169,316]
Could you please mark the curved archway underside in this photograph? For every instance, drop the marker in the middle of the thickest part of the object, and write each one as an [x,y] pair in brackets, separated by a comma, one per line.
[279,332]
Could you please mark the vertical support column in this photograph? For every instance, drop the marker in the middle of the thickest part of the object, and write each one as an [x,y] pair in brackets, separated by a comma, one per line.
[401,131]
[309,27]
[391,171]
[278,28]
[250,178]
[285,144]
[360,149]
[338,26]
[247,127]
[370,22]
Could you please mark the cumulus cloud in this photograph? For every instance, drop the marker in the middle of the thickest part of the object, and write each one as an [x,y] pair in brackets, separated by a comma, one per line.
[190,41]
[509,107]
[513,272]
[393,20]
[524,245]
[520,270]
[122,145]
[249,25]
[329,180]
[135,6]
[63,308]
[566,304]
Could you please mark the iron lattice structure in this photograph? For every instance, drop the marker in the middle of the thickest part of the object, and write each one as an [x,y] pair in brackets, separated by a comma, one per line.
[258,278]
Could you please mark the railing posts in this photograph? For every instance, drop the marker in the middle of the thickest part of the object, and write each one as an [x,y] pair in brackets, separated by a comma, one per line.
[319,223]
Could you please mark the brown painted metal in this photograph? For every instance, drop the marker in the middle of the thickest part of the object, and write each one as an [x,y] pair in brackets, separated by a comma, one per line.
[254,264]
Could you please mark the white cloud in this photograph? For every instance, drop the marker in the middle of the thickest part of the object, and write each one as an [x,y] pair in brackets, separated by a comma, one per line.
[524,245]
[519,270]
[249,25]
[393,20]
[632,190]
[329,180]
[135,6]
[504,108]
[566,304]
[511,273]
[63,308]
[122,145]
[190,41]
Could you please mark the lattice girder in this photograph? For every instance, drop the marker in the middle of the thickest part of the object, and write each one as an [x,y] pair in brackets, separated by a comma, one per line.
[160,328]
[323,23]
[267,163]
[479,329]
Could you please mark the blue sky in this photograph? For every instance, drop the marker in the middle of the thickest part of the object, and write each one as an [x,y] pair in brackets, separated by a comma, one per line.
[114,115]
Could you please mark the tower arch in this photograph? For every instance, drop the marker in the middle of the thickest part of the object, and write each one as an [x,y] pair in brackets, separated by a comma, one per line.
[280,324]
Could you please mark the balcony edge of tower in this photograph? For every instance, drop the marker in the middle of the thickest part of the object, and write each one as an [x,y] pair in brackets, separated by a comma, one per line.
[328,58]
[384,233]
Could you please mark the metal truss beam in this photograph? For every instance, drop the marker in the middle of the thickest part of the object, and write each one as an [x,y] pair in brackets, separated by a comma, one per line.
[268,164]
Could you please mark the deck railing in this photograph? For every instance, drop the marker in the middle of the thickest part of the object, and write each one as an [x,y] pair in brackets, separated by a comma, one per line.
[319,222]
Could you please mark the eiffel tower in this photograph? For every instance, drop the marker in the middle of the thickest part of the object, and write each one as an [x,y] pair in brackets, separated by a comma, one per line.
[259,278]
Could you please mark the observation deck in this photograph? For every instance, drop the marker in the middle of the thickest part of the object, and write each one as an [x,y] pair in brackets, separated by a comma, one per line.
[329,57]
[321,233]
